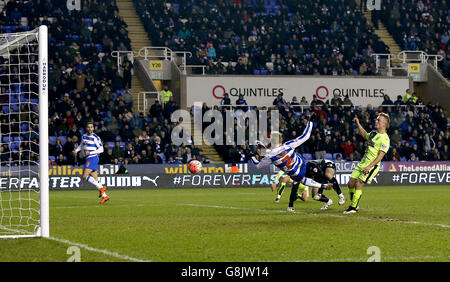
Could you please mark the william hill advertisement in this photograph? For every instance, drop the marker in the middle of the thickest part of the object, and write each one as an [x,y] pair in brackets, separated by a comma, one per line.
[212,176]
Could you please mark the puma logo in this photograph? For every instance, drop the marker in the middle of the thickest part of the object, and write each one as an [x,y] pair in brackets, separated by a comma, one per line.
[151,180]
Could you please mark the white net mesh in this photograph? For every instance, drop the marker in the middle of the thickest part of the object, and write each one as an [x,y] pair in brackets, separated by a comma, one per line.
[19,134]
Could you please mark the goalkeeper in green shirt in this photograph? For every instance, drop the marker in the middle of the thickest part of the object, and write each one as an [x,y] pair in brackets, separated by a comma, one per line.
[377,146]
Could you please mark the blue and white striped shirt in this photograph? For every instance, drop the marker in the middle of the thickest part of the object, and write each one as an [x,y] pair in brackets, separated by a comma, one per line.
[284,156]
[91,143]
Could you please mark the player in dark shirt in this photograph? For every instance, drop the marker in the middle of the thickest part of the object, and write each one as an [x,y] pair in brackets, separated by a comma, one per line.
[323,171]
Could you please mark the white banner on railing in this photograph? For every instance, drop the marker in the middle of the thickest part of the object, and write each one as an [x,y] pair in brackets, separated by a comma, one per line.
[262,90]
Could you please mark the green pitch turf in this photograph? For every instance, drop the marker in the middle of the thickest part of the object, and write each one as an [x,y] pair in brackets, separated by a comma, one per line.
[240,224]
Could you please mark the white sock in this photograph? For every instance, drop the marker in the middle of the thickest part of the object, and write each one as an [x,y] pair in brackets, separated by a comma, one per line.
[94,182]
[311,183]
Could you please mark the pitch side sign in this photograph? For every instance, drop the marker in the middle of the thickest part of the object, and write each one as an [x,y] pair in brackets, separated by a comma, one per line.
[262,90]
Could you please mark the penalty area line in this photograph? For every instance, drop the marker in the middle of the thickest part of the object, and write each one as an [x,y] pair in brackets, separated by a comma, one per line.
[323,214]
[92,249]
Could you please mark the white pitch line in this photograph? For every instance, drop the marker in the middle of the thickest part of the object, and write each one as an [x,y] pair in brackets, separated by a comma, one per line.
[92,249]
[323,214]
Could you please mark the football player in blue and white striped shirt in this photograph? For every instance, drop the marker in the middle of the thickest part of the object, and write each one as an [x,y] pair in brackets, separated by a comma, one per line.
[286,159]
[92,146]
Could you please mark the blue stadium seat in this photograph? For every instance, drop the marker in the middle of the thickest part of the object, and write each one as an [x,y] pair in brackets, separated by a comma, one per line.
[88,21]
[15,107]
[336,154]
[307,157]
[7,29]
[6,139]
[329,156]
[22,98]
[24,127]
[110,144]
[99,47]
[257,72]
[14,146]
[63,139]
[52,140]
[13,98]
[52,158]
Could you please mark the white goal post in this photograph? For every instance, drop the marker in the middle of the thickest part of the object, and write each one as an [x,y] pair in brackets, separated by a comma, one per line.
[24,170]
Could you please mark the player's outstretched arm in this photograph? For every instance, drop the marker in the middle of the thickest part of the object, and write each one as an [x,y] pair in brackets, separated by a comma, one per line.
[261,163]
[302,138]
[362,131]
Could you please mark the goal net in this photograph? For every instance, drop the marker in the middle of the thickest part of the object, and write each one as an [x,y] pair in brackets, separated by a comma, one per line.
[24,134]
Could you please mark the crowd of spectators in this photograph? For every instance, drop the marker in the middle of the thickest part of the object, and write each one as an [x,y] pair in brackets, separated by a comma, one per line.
[327,37]
[417,131]
[85,86]
[422,25]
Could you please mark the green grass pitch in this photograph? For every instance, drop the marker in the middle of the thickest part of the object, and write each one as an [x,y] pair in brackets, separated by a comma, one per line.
[405,223]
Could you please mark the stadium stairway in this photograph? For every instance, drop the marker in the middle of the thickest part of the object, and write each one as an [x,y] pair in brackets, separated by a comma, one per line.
[138,37]
[209,151]
[384,35]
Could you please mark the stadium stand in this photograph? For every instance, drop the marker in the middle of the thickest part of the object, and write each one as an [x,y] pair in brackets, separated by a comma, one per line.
[422,25]
[263,37]
[416,129]
[86,87]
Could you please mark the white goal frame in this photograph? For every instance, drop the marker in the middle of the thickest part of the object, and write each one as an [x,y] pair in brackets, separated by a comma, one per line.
[44,218]
[44,230]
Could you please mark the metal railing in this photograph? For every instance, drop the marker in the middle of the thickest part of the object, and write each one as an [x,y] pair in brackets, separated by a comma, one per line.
[196,66]
[120,55]
[149,53]
[157,53]
[405,57]
[144,96]
[309,107]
